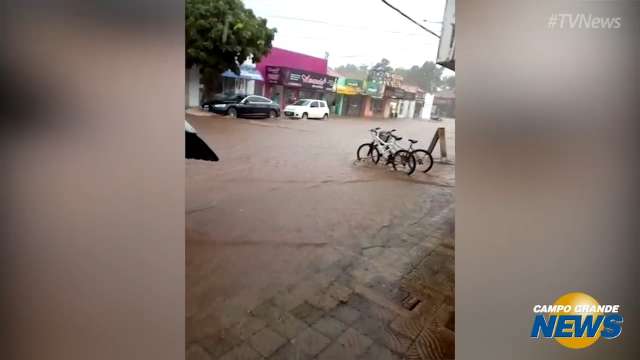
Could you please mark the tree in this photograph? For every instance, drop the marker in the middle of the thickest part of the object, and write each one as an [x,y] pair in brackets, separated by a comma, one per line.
[449,82]
[353,71]
[427,76]
[381,70]
[222,34]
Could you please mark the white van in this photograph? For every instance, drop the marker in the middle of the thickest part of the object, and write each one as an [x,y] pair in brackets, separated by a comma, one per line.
[307,108]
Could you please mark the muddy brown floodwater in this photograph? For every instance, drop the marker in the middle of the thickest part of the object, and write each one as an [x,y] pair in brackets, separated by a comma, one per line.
[296,251]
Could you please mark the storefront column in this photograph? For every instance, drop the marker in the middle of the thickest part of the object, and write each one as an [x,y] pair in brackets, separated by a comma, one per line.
[339,104]
[367,106]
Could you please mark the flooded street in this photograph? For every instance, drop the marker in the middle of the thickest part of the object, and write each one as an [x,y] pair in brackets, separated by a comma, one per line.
[297,251]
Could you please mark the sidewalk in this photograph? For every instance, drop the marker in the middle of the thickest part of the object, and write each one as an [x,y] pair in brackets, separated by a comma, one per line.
[391,299]
[195,111]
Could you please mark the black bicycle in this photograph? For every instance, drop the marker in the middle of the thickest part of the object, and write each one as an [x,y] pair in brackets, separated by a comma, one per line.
[424,160]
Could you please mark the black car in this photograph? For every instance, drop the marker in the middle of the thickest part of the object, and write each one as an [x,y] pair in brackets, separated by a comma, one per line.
[243,106]
[222,99]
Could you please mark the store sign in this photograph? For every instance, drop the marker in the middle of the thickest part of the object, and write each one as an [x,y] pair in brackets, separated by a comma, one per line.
[349,86]
[299,78]
[353,83]
[375,88]
[273,75]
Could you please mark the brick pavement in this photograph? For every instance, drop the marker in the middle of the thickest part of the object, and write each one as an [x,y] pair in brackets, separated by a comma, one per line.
[353,308]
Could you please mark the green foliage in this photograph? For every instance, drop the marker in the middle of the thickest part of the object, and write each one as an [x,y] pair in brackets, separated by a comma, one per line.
[380,71]
[448,82]
[382,68]
[428,76]
[353,72]
[222,34]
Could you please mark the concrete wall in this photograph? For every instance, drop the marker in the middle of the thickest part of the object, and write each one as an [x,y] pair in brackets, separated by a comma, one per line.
[408,106]
[192,87]
[447,46]
[412,108]
[428,104]
[366,106]
[386,112]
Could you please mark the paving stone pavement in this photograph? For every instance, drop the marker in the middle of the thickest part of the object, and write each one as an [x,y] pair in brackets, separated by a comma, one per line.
[356,312]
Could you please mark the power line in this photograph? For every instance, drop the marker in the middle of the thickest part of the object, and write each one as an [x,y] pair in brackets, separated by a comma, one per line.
[410,19]
[322,22]
[305,37]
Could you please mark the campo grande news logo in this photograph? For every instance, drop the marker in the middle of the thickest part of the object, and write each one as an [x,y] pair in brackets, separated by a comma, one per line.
[576,321]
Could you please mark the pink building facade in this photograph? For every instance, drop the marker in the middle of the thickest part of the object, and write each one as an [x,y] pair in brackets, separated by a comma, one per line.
[289,76]
[287,58]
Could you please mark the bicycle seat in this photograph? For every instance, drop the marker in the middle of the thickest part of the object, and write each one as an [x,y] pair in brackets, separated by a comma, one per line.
[413,141]
[398,138]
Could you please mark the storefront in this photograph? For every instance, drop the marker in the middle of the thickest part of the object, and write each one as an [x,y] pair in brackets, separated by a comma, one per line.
[349,97]
[373,104]
[249,82]
[444,105]
[286,85]
[393,97]
[201,88]
[407,104]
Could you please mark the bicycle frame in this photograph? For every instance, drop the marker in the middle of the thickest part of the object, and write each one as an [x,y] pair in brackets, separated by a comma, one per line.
[385,148]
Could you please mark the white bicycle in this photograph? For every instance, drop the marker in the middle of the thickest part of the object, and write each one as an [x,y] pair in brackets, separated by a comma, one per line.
[384,145]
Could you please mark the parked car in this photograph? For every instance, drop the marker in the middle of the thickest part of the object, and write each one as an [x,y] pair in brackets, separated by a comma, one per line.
[307,108]
[248,106]
[222,99]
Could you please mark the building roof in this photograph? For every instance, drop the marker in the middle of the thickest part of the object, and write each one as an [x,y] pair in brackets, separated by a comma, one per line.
[411,88]
[246,72]
[447,93]
[332,72]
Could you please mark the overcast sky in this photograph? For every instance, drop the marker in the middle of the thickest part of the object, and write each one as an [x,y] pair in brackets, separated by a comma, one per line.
[354,31]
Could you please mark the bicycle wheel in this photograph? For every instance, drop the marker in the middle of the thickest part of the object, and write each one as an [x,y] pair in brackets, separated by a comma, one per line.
[424,161]
[368,152]
[404,161]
